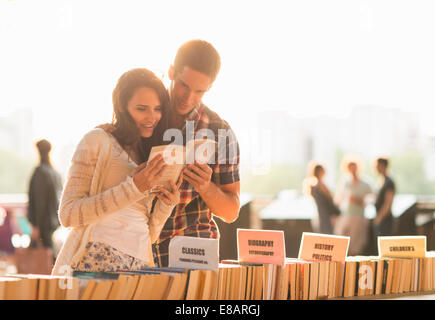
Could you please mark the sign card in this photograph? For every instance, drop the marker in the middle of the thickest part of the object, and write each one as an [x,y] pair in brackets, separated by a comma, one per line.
[402,246]
[261,246]
[323,247]
[194,253]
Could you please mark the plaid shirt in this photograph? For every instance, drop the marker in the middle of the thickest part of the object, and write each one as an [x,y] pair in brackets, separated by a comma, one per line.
[191,217]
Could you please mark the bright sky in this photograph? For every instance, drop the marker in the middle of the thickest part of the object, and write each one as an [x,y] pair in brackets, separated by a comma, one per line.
[62,58]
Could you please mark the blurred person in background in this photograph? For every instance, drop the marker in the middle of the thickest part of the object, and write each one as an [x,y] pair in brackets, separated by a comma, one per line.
[315,186]
[352,198]
[44,194]
[383,223]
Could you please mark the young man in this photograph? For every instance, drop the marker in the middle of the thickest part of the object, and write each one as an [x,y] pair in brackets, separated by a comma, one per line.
[208,189]
[383,223]
[44,194]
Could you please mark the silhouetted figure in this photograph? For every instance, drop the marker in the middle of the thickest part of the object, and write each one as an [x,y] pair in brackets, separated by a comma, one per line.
[44,193]
[383,223]
[323,198]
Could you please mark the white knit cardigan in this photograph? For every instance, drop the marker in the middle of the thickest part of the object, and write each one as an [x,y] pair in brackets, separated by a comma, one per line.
[84,201]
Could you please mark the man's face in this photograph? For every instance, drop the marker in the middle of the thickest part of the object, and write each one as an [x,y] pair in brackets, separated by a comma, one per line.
[187,89]
[380,168]
[352,168]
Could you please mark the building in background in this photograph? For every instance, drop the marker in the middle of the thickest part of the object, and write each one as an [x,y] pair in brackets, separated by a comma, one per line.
[17,132]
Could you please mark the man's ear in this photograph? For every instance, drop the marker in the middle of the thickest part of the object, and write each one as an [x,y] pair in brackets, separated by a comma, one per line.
[171,73]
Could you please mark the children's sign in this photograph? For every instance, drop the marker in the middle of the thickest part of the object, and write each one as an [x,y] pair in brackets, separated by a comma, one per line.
[402,246]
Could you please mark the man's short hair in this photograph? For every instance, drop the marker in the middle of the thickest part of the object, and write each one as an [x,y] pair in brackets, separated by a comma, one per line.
[382,161]
[200,56]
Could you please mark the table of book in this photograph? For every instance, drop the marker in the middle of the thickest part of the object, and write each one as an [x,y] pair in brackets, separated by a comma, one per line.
[358,278]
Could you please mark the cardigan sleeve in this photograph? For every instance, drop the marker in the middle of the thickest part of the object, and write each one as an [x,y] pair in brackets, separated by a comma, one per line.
[158,219]
[77,207]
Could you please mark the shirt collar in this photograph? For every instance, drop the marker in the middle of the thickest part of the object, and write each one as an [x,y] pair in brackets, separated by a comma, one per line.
[195,113]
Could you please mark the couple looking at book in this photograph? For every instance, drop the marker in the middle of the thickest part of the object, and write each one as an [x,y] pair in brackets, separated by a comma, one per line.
[116,222]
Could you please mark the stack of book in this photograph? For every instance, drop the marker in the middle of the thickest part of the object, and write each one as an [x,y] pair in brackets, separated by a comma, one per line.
[295,280]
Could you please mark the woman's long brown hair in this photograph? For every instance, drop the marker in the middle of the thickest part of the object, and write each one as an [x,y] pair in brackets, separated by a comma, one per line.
[126,131]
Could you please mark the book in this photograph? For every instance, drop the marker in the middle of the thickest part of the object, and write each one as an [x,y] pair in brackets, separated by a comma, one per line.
[389,278]
[178,287]
[101,290]
[407,285]
[430,273]
[366,275]
[283,279]
[210,285]
[202,279]
[420,274]
[73,292]
[379,276]
[243,284]
[120,288]
[299,278]
[413,275]
[269,281]
[323,279]
[273,285]
[90,287]
[314,280]
[193,286]
[403,275]
[248,293]
[431,255]
[372,263]
[26,288]
[226,278]
[247,284]
[258,281]
[305,280]
[159,287]
[133,283]
[340,279]
[397,273]
[236,279]
[292,280]
[221,283]
[10,288]
[349,278]
[425,275]
[144,287]
[332,279]
[177,157]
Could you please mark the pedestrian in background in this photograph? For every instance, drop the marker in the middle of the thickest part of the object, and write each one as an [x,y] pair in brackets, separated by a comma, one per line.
[323,197]
[44,193]
[352,199]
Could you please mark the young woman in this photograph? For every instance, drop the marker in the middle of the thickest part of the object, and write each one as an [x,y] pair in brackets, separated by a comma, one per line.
[326,208]
[353,199]
[106,199]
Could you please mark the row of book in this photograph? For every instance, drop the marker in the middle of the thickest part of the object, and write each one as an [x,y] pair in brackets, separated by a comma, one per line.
[295,280]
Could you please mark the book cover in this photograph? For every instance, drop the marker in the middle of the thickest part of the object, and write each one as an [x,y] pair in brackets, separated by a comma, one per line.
[177,157]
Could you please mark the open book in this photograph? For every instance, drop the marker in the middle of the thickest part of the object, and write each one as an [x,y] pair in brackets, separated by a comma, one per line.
[178,157]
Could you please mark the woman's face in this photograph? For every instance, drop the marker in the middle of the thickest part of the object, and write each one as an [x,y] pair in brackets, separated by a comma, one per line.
[353,169]
[145,109]
[321,174]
